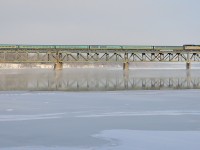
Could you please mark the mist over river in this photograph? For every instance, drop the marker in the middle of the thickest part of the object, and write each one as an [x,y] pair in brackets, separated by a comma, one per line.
[100,109]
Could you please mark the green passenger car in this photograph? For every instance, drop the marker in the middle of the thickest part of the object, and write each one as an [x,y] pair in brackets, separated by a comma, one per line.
[168,47]
[7,46]
[36,46]
[72,47]
[131,47]
[104,47]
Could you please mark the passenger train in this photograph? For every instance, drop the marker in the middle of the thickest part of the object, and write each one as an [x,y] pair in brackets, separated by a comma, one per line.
[100,47]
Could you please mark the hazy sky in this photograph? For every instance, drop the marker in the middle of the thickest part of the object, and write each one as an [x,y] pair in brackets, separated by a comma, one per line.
[135,22]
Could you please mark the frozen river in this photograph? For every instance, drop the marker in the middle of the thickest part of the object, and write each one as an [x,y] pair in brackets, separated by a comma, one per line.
[124,117]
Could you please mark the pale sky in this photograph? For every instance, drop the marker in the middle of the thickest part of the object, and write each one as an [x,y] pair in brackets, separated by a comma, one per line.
[121,22]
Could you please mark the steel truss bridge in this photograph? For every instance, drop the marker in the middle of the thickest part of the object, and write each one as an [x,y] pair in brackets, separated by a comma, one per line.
[125,56]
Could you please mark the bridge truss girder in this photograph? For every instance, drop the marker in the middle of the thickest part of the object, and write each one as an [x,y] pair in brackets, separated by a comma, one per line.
[64,56]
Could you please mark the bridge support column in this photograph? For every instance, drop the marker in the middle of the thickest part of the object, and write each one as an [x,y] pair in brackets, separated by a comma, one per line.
[58,66]
[188,62]
[188,65]
[125,66]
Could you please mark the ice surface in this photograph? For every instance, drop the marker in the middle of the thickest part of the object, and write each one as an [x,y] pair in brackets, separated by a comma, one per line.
[167,119]
[150,140]
[137,140]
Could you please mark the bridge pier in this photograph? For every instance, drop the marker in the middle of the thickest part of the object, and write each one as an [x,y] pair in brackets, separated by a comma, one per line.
[58,66]
[125,66]
[188,65]
[188,62]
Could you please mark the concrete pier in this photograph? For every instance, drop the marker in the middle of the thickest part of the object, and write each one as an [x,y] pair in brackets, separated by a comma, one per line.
[58,66]
[125,66]
[188,65]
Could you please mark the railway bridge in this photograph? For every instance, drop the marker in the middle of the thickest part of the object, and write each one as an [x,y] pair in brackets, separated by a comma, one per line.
[59,54]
